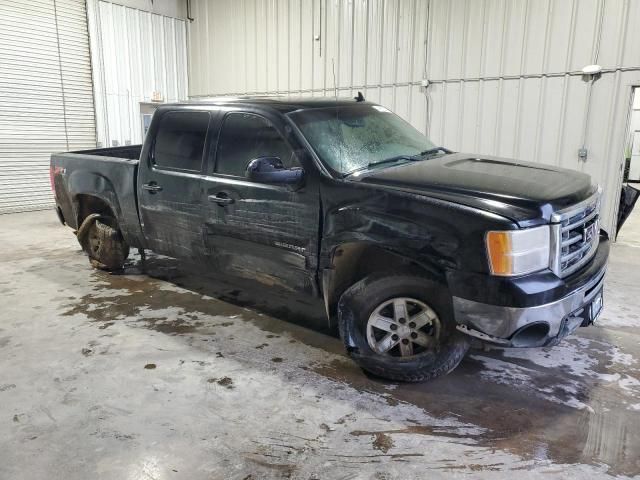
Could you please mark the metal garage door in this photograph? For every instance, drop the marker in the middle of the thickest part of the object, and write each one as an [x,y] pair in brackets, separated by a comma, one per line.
[46,100]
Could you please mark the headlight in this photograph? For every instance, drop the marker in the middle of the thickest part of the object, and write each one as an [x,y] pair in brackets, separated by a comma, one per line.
[516,252]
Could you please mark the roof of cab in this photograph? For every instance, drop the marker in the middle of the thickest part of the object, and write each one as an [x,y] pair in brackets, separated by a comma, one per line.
[283,104]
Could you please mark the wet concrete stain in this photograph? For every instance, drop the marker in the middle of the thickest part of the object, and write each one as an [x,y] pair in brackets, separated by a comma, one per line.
[428,430]
[514,419]
[143,295]
[382,442]
[285,469]
[175,327]
[226,382]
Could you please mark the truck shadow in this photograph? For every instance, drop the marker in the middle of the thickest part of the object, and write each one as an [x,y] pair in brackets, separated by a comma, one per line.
[541,404]
[271,300]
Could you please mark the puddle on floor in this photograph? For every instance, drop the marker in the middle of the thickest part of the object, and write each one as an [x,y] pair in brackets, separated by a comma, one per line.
[526,405]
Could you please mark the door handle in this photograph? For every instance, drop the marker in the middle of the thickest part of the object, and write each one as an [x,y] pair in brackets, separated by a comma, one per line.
[221,199]
[152,187]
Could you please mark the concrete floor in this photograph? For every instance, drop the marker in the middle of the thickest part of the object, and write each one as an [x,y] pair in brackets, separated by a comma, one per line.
[169,375]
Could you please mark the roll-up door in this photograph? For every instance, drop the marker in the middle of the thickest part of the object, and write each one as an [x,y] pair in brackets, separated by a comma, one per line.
[46,99]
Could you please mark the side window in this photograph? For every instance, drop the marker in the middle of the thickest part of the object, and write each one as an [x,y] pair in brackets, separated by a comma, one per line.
[180,140]
[245,136]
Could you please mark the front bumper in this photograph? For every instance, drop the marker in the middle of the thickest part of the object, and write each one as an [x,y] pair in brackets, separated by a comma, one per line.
[537,325]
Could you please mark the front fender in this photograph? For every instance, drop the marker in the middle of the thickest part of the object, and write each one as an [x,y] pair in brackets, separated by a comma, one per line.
[430,231]
[431,243]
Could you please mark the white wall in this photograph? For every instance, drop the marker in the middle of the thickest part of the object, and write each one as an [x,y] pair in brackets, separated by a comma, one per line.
[134,53]
[168,8]
[634,140]
[505,75]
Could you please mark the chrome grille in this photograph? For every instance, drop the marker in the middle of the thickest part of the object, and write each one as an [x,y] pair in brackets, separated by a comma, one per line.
[576,233]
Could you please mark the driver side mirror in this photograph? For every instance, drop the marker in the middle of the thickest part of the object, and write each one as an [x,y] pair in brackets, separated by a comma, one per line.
[271,170]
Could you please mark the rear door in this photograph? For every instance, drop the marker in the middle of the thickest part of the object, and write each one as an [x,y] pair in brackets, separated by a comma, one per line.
[266,232]
[170,200]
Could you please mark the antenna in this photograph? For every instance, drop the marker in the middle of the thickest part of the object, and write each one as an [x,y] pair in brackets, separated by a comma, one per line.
[335,86]
[335,95]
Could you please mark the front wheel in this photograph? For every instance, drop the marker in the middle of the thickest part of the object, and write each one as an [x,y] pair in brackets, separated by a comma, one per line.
[400,326]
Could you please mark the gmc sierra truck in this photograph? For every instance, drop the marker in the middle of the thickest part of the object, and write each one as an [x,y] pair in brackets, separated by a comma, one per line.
[415,250]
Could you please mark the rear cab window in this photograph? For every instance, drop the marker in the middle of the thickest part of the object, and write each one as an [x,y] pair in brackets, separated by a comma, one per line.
[180,141]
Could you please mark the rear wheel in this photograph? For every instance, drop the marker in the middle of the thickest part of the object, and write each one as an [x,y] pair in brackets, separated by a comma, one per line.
[105,246]
[400,326]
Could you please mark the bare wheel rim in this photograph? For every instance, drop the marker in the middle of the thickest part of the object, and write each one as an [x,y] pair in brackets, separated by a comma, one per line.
[403,327]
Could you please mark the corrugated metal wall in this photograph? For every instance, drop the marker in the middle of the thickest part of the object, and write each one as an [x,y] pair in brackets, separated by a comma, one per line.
[633,147]
[504,74]
[46,102]
[134,54]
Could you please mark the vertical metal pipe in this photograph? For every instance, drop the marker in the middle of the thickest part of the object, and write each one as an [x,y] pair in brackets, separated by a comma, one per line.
[64,103]
[427,109]
[596,54]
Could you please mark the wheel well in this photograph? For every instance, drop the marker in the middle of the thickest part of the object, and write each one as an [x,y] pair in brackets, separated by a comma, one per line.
[351,262]
[88,204]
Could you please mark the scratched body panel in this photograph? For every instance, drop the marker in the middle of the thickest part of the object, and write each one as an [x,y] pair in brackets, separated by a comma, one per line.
[108,174]
[172,218]
[433,213]
[270,230]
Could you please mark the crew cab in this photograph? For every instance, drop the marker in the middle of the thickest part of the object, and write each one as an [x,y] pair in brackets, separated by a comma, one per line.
[415,250]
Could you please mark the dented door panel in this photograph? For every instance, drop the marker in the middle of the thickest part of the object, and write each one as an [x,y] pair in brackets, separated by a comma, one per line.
[170,200]
[171,217]
[268,232]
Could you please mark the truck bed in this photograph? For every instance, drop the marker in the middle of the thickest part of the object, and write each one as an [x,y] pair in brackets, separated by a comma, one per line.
[130,152]
[108,174]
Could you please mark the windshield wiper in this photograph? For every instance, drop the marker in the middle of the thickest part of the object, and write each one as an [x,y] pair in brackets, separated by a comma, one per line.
[397,158]
[410,158]
[433,150]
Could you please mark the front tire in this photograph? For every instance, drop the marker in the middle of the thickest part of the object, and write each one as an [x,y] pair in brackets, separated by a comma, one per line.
[400,326]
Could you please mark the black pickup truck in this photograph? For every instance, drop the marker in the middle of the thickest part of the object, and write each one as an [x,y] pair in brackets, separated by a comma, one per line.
[414,249]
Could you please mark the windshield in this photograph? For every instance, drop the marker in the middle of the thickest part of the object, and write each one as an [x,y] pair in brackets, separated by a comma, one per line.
[357,137]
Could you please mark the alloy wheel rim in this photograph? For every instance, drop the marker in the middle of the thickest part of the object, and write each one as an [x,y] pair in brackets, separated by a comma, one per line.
[403,327]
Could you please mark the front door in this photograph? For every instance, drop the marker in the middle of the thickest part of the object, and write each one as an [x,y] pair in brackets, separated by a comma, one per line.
[169,185]
[266,232]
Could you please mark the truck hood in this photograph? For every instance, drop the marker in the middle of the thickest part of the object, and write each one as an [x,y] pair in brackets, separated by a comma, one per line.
[527,193]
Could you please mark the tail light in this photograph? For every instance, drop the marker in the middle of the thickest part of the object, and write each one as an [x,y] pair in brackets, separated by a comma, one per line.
[52,172]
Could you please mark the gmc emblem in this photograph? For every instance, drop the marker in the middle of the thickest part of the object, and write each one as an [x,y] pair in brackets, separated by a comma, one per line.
[589,232]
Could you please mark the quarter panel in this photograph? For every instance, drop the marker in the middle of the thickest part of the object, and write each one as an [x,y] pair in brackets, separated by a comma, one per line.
[110,179]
